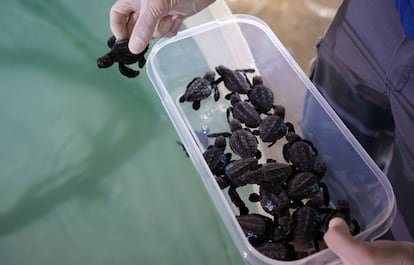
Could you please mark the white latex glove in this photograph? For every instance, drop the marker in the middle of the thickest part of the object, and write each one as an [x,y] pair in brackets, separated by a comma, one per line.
[141,20]
[354,252]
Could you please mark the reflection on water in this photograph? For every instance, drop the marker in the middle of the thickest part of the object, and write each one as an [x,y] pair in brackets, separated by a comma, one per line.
[90,169]
[105,154]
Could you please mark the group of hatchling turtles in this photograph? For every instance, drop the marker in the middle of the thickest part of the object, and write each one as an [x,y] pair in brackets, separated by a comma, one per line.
[295,202]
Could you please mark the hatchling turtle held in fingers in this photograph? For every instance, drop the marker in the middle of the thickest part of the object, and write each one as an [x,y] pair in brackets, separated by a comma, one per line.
[300,152]
[215,157]
[242,141]
[243,111]
[120,54]
[235,81]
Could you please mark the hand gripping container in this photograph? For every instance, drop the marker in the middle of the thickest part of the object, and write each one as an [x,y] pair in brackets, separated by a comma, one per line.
[240,42]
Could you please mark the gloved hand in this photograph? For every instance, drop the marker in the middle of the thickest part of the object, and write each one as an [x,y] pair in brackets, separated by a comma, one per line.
[140,20]
[354,252]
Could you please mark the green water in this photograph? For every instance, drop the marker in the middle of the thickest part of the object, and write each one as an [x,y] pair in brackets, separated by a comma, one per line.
[90,171]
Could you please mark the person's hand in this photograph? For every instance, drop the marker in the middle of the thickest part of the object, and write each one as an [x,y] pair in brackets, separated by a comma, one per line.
[141,20]
[354,252]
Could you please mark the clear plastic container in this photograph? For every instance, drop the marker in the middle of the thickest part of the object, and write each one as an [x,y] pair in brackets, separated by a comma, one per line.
[239,42]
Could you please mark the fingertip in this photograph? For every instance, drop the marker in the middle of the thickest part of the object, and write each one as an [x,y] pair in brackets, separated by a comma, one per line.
[119,31]
[337,222]
[136,44]
[117,21]
[337,231]
[143,31]
[340,241]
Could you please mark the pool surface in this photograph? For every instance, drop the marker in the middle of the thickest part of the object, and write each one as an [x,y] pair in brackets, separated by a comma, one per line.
[91,172]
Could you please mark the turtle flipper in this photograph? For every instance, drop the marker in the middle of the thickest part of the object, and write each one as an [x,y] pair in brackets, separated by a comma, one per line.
[128,72]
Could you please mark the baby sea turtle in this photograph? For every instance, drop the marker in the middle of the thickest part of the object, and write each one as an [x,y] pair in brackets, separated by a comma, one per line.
[201,88]
[271,129]
[242,141]
[278,251]
[306,222]
[259,229]
[275,172]
[305,185]
[271,172]
[238,172]
[235,175]
[215,157]
[273,199]
[343,211]
[300,152]
[243,111]
[260,96]
[120,54]
[235,81]
[285,223]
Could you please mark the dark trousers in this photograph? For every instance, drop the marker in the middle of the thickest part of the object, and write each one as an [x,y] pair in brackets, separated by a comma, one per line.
[364,70]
